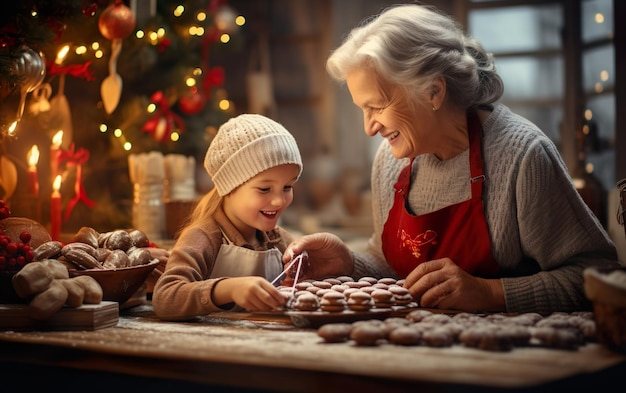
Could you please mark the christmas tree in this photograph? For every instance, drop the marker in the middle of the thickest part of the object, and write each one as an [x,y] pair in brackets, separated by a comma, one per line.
[119,78]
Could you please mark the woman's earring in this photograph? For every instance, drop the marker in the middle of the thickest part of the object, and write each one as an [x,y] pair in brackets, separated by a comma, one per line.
[434,109]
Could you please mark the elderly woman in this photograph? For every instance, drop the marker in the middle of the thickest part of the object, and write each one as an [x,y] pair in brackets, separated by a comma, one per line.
[472,203]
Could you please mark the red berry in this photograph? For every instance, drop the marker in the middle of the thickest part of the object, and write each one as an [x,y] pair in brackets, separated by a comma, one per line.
[25,236]
[11,249]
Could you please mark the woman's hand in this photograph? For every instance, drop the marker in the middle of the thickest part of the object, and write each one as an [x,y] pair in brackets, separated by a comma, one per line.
[252,293]
[442,284]
[327,256]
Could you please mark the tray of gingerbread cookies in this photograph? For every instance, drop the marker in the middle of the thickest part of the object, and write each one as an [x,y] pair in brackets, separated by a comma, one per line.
[313,303]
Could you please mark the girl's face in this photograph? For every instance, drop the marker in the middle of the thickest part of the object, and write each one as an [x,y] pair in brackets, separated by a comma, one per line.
[258,203]
[387,112]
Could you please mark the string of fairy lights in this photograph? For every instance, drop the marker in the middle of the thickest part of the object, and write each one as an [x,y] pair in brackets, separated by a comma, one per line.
[226,22]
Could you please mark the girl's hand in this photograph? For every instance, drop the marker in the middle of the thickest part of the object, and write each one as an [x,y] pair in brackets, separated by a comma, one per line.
[252,293]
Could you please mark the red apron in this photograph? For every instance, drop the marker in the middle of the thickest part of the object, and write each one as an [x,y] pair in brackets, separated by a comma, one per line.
[458,231]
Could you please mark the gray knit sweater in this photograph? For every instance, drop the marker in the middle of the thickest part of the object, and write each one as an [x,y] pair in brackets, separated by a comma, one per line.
[543,235]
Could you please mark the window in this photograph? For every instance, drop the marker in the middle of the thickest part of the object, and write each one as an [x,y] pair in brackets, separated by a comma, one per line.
[598,69]
[526,39]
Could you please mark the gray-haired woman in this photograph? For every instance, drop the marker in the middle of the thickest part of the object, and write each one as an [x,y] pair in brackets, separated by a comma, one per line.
[472,203]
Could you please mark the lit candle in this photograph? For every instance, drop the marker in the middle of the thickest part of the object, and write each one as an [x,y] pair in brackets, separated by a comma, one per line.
[55,209]
[33,181]
[12,127]
[55,153]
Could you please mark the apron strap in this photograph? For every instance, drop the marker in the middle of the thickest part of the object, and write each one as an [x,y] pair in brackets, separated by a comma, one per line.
[404,180]
[224,237]
[474,129]
[477,177]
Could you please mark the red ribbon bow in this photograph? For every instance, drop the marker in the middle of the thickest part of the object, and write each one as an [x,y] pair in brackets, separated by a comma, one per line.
[163,122]
[76,70]
[77,158]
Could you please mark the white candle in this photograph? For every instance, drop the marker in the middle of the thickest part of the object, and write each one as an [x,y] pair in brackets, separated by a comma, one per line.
[33,180]
[55,153]
[55,209]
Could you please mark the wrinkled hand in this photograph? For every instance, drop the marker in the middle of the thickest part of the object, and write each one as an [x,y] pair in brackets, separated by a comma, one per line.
[327,256]
[441,283]
[251,293]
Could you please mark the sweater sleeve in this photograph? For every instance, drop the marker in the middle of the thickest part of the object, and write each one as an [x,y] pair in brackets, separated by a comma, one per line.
[557,231]
[183,291]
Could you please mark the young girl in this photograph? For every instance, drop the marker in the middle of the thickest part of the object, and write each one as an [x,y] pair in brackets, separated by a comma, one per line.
[232,247]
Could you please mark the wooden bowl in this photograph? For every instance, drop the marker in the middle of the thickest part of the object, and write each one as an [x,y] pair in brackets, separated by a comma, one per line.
[119,285]
[606,288]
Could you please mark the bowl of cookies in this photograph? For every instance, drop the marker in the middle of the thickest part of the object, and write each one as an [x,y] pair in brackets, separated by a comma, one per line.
[119,285]
[119,260]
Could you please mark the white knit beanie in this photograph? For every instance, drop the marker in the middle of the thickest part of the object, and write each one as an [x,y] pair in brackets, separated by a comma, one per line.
[245,146]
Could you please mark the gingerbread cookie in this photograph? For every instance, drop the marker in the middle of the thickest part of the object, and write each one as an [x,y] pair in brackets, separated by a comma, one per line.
[360,301]
[405,335]
[367,334]
[335,332]
[333,301]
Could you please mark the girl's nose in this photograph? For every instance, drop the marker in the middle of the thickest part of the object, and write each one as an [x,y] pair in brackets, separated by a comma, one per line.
[279,199]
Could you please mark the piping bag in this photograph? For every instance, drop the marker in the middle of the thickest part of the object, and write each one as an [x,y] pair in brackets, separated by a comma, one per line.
[289,270]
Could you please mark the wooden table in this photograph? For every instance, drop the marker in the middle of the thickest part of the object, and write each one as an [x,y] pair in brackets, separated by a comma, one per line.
[249,352]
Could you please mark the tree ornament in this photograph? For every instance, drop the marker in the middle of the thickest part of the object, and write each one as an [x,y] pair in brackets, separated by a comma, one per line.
[192,102]
[8,177]
[40,99]
[61,114]
[30,68]
[116,22]
[225,19]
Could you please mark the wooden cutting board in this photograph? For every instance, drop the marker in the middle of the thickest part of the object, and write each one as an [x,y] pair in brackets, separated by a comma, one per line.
[86,317]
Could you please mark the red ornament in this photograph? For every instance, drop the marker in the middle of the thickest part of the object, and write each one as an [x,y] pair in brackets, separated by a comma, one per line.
[213,78]
[192,102]
[117,21]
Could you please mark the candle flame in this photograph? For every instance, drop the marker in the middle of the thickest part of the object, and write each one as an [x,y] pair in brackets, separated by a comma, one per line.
[33,156]
[56,185]
[12,127]
[57,139]
[62,53]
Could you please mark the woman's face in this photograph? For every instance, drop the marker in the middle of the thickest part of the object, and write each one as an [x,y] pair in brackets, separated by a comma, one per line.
[259,202]
[387,112]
